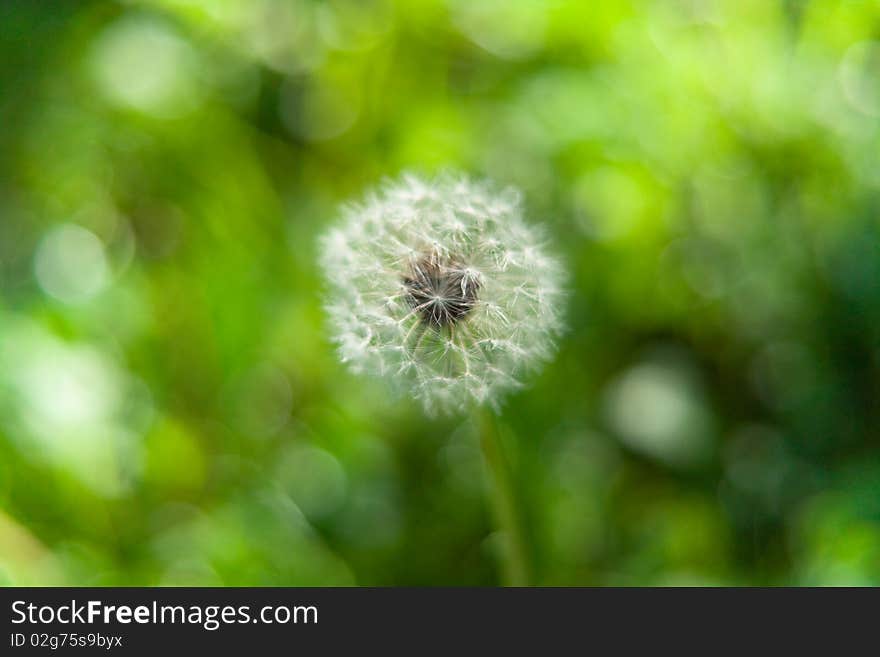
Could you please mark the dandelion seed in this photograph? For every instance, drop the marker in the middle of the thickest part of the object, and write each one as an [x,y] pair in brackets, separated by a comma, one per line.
[442,286]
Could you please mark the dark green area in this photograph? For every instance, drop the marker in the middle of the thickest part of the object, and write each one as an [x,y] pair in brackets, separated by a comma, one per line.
[171,409]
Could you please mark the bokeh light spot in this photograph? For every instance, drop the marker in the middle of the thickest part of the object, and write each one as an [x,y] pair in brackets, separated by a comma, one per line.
[512,29]
[860,77]
[140,63]
[67,405]
[314,479]
[70,264]
[656,411]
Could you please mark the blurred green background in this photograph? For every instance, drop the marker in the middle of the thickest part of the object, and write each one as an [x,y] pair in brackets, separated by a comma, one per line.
[171,409]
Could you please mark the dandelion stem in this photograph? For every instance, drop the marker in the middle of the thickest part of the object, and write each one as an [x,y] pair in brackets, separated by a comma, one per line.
[515,560]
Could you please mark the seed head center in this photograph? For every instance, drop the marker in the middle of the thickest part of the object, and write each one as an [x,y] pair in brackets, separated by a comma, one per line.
[440,293]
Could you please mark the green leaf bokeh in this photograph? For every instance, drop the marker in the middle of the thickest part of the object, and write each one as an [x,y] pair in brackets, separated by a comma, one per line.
[171,409]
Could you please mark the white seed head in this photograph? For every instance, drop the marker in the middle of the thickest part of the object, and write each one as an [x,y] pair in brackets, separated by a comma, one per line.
[442,287]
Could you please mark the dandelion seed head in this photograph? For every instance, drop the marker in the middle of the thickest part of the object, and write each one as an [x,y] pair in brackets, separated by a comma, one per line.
[440,285]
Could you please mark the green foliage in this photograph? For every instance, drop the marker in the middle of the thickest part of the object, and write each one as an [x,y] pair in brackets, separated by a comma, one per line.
[171,410]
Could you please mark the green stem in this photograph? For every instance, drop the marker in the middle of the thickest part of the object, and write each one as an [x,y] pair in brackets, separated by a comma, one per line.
[515,557]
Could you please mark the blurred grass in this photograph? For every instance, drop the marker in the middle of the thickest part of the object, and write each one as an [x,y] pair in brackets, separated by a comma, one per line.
[171,411]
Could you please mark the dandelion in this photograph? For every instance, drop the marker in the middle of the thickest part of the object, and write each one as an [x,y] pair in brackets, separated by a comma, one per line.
[440,286]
